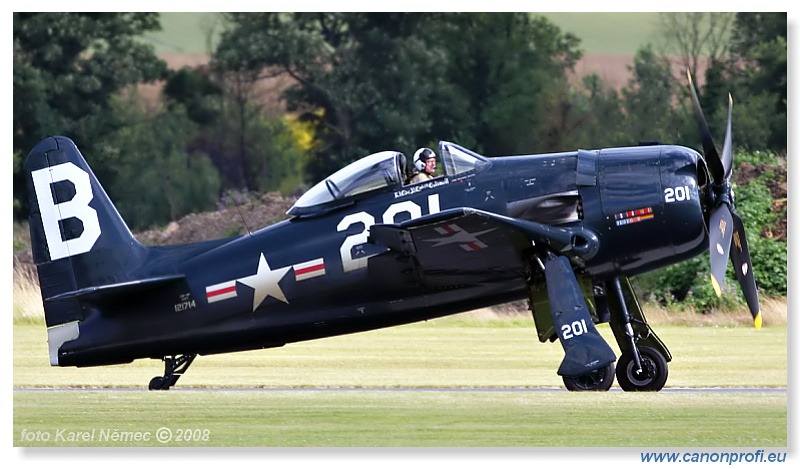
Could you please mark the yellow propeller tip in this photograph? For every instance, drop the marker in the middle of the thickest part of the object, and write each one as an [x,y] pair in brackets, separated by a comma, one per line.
[715,284]
[757,320]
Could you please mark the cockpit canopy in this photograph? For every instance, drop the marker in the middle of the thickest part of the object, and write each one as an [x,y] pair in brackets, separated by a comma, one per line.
[386,170]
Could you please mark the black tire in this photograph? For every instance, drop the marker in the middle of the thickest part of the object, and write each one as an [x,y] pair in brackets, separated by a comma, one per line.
[654,371]
[598,380]
[157,384]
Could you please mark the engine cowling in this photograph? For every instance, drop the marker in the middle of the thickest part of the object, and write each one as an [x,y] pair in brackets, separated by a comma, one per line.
[646,205]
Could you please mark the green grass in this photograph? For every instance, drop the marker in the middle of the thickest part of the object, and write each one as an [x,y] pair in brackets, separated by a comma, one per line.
[444,353]
[409,419]
[453,352]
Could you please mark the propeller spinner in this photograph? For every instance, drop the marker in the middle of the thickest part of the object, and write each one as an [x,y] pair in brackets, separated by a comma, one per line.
[725,227]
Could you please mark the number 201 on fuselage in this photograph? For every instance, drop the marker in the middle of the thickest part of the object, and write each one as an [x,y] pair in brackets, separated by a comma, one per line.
[390,215]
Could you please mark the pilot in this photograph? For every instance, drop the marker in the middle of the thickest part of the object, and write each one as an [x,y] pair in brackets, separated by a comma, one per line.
[425,164]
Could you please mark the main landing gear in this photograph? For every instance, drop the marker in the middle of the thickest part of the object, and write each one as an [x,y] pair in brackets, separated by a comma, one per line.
[642,365]
[649,375]
[174,367]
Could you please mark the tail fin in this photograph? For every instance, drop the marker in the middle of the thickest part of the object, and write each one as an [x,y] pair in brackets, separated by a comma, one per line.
[78,238]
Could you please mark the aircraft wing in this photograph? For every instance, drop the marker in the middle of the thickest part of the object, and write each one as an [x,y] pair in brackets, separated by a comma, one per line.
[464,246]
[466,242]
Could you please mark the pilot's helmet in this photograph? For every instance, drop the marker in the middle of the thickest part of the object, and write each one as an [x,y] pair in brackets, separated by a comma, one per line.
[422,155]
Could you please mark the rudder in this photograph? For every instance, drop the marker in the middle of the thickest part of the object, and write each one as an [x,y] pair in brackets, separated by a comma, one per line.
[78,238]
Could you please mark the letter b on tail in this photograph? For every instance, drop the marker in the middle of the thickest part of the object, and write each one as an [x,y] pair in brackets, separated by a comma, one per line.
[72,219]
[56,213]
[78,239]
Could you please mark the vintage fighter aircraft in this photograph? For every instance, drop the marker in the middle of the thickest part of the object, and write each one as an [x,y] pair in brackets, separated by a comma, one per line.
[364,250]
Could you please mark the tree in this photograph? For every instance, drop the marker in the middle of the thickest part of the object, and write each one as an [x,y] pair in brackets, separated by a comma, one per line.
[375,81]
[696,37]
[257,146]
[648,101]
[509,73]
[196,91]
[745,55]
[597,115]
[156,179]
[67,67]
[268,158]
[758,72]
[362,80]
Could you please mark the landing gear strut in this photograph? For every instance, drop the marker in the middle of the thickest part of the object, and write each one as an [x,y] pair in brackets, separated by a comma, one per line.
[174,367]
[643,364]
[632,350]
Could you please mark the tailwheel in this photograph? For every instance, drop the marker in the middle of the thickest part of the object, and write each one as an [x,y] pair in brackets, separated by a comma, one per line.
[651,377]
[174,367]
[157,383]
[597,380]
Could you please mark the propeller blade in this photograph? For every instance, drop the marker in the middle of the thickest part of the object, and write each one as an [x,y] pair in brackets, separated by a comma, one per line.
[724,225]
[727,148]
[740,255]
[720,228]
[713,160]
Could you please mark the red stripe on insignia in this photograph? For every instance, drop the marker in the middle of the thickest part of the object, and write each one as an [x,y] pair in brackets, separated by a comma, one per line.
[308,270]
[221,291]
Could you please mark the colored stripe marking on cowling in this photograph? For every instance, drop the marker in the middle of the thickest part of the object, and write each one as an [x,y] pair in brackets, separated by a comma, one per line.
[634,216]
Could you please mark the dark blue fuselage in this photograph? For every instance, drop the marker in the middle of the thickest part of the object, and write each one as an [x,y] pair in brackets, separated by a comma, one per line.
[318,275]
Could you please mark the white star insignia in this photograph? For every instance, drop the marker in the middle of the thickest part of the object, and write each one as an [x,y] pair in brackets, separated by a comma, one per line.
[265,283]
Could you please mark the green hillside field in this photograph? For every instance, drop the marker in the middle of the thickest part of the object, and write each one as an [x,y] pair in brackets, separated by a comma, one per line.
[600,33]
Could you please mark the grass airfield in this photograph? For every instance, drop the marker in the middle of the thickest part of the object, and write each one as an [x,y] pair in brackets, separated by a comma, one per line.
[485,366]
[405,419]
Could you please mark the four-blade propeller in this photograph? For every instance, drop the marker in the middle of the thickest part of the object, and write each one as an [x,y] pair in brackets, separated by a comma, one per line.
[725,227]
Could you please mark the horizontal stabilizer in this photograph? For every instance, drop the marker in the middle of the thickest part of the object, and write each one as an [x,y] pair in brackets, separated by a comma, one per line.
[114,289]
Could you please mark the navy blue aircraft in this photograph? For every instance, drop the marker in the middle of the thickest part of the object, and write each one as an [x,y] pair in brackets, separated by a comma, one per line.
[366,249]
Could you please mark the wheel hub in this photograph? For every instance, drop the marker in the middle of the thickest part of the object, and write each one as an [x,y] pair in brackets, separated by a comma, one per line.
[645,375]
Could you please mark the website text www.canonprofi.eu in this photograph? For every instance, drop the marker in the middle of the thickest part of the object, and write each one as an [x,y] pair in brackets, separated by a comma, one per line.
[729,457]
